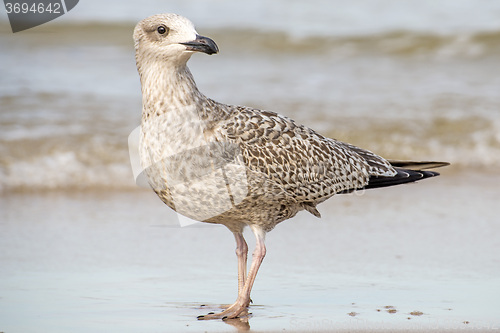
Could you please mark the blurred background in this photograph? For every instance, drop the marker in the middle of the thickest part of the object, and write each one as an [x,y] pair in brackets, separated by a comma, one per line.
[406,79]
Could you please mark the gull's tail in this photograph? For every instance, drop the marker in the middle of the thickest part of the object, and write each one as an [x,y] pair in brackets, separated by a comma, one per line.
[407,172]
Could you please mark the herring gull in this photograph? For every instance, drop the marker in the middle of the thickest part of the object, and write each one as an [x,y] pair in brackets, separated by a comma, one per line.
[236,165]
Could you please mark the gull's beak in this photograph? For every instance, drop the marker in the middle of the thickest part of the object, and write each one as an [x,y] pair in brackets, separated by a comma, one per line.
[202,44]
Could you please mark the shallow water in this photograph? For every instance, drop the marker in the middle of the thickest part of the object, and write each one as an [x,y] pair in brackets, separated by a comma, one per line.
[106,261]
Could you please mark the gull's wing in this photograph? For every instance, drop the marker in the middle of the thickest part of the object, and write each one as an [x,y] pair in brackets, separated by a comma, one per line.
[304,163]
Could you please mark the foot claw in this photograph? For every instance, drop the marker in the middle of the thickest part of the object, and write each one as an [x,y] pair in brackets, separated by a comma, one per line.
[236,310]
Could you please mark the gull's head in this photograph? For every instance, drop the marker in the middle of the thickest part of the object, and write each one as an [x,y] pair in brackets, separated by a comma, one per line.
[170,36]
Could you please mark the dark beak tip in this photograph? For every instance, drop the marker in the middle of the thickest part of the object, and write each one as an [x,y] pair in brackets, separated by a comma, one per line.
[202,44]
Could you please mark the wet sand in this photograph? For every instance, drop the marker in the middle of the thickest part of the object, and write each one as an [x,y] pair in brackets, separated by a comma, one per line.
[415,257]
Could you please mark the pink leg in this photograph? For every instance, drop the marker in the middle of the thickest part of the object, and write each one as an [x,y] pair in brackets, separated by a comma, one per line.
[241,253]
[243,299]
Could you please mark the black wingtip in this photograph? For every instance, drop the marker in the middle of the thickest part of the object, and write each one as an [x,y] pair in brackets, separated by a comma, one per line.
[403,176]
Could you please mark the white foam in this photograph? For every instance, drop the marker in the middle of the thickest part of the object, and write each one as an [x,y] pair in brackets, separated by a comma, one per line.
[63,170]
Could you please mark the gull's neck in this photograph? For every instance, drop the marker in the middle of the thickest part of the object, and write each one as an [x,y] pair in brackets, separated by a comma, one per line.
[168,89]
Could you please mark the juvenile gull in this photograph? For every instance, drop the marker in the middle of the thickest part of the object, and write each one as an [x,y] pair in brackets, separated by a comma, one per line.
[235,165]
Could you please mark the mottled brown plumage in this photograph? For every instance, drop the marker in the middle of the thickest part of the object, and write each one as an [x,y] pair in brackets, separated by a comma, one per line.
[236,165]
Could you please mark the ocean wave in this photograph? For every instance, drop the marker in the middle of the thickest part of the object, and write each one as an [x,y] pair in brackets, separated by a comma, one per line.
[466,142]
[90,163]
[396,43]
[59,163]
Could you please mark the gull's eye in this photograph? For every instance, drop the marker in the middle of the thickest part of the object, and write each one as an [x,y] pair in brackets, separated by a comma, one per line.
[162,30]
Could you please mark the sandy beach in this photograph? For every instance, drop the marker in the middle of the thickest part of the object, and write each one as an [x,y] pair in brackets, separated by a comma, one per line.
[415,257]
